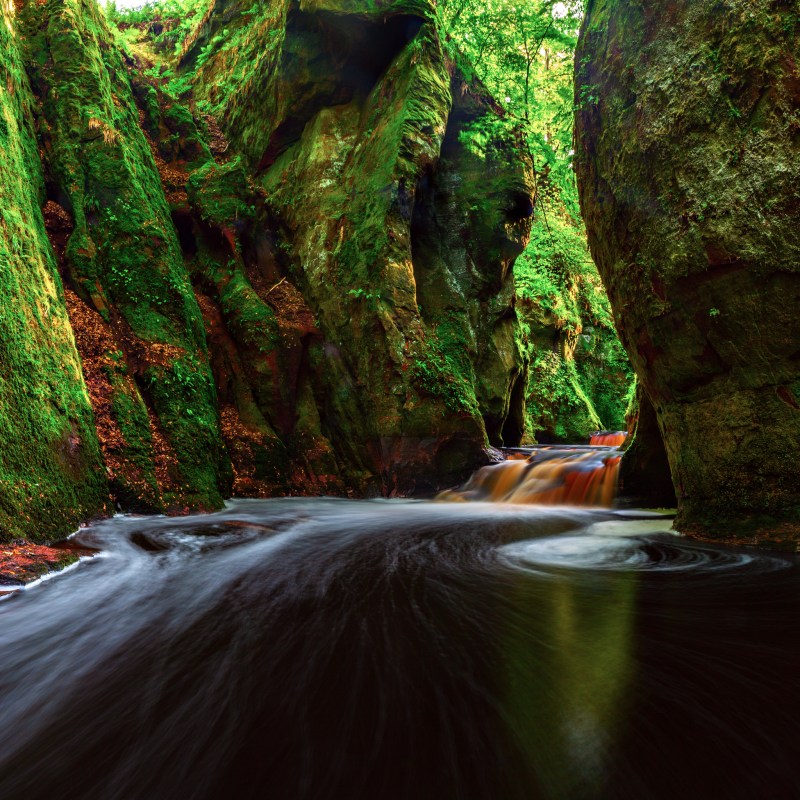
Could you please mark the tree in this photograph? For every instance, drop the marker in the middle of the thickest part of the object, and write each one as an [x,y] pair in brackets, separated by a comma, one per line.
[523,51]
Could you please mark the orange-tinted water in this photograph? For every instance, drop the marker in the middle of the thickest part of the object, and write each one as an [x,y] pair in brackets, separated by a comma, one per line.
[578,476]
[609,439]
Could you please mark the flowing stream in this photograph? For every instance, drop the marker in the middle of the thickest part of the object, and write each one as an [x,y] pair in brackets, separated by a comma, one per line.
[318,648]
[573,475]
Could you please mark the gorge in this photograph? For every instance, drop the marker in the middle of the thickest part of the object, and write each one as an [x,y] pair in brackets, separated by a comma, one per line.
[280,263]
[399,399]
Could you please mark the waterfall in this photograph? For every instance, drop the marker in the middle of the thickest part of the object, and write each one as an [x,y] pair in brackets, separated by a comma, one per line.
[575,475]
[609,438]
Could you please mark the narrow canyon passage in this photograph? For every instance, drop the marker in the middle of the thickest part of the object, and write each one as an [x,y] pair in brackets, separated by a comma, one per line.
[306,254]
[304,648]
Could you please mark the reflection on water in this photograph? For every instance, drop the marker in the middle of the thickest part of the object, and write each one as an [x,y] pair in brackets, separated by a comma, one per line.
[583,656]
[334,649]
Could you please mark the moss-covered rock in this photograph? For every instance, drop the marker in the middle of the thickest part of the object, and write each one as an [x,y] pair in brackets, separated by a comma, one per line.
[51,474]
[688,153]
[399,228]
[579,373]
[124,261]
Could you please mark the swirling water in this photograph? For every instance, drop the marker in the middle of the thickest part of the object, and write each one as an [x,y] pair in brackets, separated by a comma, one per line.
[318,649]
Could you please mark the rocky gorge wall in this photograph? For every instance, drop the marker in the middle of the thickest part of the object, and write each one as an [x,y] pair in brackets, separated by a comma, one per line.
[289,305]
[284,267]
[399,234]
[51,473]
[138,325]
[688,145]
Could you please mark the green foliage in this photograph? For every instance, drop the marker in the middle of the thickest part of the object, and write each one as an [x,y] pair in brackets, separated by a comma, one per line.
[215,68]
[558,287]
[449,356]
[523,53]
[445,370]
[557,401]
[166,23]
[371,298]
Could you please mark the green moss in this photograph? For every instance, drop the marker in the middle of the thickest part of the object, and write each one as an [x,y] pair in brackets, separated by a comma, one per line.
[51,474]
[221,193]
[249,314]
[227,65]
[688,179]
[136,484]
[352,238]
[580,375]
[556,401]
[124,255]
[446,370]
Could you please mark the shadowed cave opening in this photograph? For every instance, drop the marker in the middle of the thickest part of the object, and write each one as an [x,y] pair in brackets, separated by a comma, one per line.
[184,225]
[332,59]
[514,425]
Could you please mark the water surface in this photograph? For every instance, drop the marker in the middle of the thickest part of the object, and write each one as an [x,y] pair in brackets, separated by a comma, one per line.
[322,649]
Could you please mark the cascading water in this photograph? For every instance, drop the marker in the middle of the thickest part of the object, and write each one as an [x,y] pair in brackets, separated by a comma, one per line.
[548,475]
[609,439]
[317,649]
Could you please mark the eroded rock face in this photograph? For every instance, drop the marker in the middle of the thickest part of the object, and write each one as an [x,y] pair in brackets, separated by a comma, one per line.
[140,330]
[689,166]
[51,473]
[396,222]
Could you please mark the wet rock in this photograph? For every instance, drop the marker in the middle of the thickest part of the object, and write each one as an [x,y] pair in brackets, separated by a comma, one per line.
[645,478]
[398,234]
[22,561]
[687,159]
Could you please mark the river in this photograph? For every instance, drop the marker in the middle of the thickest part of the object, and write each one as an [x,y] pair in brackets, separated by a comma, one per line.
[317,648]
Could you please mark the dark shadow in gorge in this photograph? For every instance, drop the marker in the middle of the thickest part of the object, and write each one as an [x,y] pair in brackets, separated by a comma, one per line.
[329,60]
[337,670]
